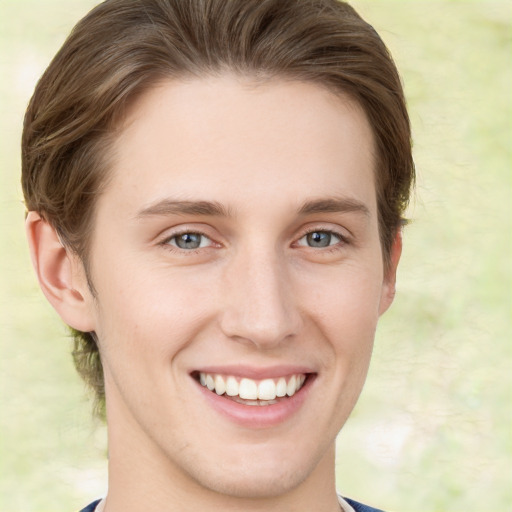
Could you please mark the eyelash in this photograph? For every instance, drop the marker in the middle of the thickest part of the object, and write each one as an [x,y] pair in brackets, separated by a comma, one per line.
[166,243]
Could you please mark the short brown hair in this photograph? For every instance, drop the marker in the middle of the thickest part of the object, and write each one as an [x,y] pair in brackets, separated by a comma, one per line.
[122,47]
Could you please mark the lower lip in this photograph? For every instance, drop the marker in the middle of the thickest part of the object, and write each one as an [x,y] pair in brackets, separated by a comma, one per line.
[257,416]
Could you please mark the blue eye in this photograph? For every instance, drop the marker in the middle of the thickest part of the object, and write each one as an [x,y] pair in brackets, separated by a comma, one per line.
[320,239]
[189,241]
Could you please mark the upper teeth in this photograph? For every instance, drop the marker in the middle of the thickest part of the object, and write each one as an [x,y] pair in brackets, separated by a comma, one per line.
[249,389]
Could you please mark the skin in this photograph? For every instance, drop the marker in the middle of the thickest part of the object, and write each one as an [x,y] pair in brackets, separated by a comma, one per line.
[255,293]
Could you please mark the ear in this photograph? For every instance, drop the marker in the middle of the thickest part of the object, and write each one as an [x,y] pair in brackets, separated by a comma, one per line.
[389,282]
[61,274]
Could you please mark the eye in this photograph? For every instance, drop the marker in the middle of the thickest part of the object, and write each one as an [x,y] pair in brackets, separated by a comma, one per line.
[320,239]
[189,241]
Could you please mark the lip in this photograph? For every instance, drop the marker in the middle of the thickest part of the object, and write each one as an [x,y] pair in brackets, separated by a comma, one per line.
[255,373]
[253,416]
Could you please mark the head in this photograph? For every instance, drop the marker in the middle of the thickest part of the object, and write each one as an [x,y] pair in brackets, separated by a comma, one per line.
[124,52]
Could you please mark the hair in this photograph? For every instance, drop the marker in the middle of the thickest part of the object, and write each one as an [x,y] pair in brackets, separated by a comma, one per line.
[123,47]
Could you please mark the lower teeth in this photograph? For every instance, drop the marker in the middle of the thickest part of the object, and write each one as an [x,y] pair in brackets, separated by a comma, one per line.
[251,402]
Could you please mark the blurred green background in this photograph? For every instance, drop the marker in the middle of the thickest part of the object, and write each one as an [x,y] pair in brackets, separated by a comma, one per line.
[432,431]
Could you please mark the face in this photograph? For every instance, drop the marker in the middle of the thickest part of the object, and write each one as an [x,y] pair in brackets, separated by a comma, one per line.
[239,281]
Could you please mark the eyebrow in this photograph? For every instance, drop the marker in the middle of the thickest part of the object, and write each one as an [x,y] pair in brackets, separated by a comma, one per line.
[334,205]
[216,209]
[173,207]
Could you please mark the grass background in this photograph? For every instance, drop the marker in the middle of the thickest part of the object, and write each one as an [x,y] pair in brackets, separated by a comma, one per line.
[432,431]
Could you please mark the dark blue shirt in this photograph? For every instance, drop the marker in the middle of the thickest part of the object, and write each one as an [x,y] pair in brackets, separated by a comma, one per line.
[358,507]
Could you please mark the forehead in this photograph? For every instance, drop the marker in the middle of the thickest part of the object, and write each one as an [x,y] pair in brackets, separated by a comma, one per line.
[236,140]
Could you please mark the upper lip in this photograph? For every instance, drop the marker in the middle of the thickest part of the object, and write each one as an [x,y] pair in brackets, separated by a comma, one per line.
[254,372]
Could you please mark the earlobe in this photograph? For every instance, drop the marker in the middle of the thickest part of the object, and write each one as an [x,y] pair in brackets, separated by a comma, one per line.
[389,283]
[60,274]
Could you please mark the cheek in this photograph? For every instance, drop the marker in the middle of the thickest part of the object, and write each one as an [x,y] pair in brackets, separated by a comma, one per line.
[151,313]
[344,314]
[346,306]
[346,311]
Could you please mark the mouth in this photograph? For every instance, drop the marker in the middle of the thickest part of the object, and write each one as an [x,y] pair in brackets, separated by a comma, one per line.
[251,392]
[256,398]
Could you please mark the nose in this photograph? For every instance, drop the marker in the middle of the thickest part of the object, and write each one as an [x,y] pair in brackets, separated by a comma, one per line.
[259,305]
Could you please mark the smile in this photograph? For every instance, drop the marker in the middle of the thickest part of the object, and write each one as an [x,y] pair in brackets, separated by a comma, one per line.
[256,398]
[253,392]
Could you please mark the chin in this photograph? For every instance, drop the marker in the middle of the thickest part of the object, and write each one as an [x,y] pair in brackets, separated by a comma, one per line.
[255,476]
[255,483]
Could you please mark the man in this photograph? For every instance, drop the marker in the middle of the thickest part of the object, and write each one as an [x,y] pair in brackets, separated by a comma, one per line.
[215,191]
